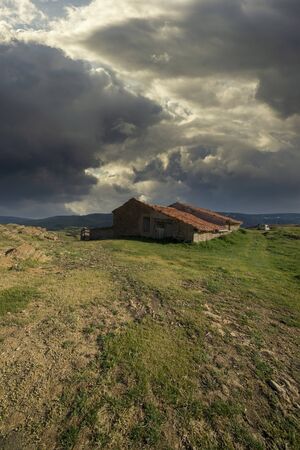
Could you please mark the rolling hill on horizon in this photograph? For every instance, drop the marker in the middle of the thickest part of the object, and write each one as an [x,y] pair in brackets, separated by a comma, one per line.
[252,220]
[105,220]
[61,222]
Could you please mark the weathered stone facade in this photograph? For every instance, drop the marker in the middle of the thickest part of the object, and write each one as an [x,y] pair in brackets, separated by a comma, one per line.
[138,219]
[202,237]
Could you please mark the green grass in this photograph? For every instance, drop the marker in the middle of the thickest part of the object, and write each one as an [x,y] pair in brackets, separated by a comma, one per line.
[188,342]
[148,431]
[69,437]
[15,299]
[248,276]
[262,269]
[157,359]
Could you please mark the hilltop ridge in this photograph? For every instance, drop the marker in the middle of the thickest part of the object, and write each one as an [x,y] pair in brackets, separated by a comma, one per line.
[105,220]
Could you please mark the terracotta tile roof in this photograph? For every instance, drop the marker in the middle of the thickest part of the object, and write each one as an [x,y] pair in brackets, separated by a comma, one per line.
[196,222]
[199,223]
[205,214]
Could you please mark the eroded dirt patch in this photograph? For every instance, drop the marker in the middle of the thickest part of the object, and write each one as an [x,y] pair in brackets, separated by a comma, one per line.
[105,358]
[44,346]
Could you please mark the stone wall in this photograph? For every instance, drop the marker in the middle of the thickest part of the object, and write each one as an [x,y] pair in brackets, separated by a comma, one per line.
[202,237]
[129,218]
[234,227]
[95,234]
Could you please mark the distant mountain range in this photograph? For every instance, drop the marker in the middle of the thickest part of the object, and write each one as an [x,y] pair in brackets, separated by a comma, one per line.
[105,220]
[61,222]
[252,220]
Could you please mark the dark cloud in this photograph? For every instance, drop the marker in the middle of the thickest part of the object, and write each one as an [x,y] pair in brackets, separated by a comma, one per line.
[240,178]
[56,115]
[239,38]
[280,89]
[212,63]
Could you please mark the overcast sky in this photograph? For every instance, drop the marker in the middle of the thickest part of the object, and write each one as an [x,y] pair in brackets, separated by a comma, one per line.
[191,100]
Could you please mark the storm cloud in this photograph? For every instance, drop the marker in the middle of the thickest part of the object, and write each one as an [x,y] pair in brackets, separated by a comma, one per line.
[182,99]
[240,38]
[56,116]
[222,175]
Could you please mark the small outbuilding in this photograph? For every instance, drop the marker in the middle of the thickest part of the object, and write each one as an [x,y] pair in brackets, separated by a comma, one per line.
[264,227]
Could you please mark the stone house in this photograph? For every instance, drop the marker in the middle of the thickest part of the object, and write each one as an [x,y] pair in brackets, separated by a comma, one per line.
[139,219]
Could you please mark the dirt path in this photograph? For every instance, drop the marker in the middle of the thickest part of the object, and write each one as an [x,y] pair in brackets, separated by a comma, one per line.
[56,379]
[54,339]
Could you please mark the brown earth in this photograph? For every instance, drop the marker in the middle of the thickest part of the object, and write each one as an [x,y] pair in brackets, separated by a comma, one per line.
[50,351]
[26,251]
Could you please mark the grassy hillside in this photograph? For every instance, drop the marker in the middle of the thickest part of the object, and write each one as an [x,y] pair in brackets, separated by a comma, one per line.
[143,345]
